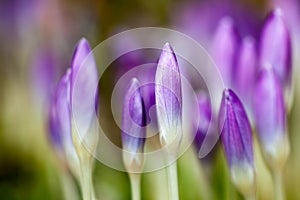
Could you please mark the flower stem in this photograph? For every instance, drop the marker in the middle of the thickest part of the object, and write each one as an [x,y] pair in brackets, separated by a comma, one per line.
[278,186]
[135,180]
[86,179]
[173,181]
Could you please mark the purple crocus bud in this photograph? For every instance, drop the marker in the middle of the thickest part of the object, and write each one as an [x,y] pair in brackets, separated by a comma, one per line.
[237,142]
[133,122]
[244,79]
[44,75]
[168,97]
[205,117]
[84,81]
[270,117]
[275,47]
[84,101]
[60,123]
[224,48]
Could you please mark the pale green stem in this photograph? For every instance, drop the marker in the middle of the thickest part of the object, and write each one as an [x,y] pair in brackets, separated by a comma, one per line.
[173,181]
[278,186]
[135,180]
[86,163]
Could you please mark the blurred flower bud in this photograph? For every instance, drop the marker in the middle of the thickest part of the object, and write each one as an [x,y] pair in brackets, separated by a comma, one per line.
[246,71]
[270,117]
[276,49]
[133,130]
[205,117]
[60,124]
[224,48]
[84,100]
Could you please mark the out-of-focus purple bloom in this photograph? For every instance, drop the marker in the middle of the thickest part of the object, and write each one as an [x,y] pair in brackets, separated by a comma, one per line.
[205,118]
[199,19]
[44,74]
[270,115]
[246,70]
[133,121]
[168,96]
[59,120]
[84,77]
[275,47]
[236,136]
[224,49]
[60,123]
[291,9]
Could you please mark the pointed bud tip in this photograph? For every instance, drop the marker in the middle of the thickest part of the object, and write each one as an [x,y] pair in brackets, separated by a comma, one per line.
[168,58]
[226,22]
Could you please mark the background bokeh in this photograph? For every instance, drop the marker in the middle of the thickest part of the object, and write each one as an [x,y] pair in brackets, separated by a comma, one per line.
[37,42]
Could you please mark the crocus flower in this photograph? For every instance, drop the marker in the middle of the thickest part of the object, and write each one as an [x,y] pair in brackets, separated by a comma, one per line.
[168,97]
[205,117]
[270,117]
[133,130]
[84,81]
[224,48]
[275,47]
[84,101]
[237,142]
[60,124]
[45,72]
[246,68]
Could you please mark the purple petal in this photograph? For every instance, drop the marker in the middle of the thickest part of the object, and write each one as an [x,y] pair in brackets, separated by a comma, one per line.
[44,75]
[59,119]
[205,111]
[235,131]
[269,108]
[246,70]
[133,119]
[168,94]
[224,48]
[84,81]
[275,46]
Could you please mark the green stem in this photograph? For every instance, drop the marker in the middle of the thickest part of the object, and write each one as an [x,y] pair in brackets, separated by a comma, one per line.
[135,180]
[86,183]
[278,186]
[173,181]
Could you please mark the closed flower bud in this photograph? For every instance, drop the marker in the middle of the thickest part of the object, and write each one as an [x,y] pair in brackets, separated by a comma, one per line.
[133,130]
[168,97]
[224,48]
[236,136]
[276,49]
[270,117]
[246,71]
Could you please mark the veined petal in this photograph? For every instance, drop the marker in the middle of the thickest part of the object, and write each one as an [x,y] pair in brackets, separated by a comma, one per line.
[235,131]
[168,95]
[84,81]
[237,142]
